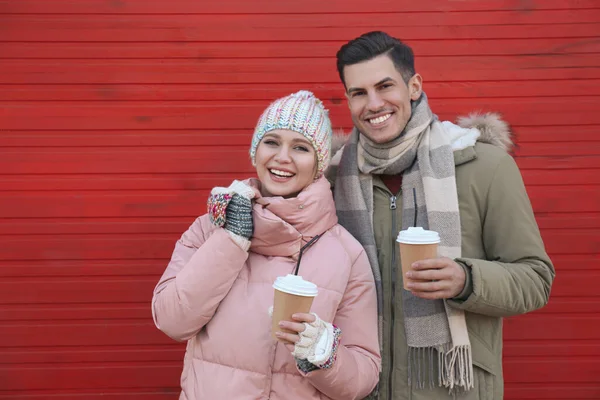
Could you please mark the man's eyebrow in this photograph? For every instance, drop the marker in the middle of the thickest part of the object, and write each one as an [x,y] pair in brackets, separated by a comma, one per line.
[384,80]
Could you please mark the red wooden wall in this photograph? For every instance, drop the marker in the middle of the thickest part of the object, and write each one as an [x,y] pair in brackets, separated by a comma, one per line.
[118,116]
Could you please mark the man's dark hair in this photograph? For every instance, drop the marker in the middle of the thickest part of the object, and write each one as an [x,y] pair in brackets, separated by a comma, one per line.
[373,44]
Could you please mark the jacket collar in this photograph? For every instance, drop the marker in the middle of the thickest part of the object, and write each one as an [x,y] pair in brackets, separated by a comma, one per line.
[464,156]
[283,226]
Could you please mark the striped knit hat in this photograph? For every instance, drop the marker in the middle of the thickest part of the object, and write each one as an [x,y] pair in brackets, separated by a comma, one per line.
[300,112]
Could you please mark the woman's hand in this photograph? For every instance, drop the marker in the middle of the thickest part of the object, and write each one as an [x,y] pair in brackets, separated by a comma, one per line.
[311,340]
[296,327]
[231,208]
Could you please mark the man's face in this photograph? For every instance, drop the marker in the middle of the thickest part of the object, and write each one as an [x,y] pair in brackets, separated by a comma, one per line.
[379,99]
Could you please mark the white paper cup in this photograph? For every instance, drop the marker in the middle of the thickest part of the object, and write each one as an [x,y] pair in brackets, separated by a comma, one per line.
[416,244]
[292,295]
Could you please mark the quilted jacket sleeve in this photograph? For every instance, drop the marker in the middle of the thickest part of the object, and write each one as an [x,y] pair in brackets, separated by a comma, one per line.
[203,267]
[517,274]
[355,372]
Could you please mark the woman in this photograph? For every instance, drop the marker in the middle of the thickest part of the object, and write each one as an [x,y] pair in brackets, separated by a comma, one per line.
[217,289]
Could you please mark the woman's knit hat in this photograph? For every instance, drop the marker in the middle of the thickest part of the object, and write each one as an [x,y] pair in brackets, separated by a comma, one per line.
[300,112]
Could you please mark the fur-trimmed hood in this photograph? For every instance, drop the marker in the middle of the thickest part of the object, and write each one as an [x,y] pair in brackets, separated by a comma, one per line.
[493,130]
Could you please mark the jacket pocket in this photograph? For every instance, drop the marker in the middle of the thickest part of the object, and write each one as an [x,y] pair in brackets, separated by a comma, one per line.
[485,368]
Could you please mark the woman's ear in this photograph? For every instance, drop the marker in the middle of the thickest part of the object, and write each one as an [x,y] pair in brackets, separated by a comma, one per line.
[415,87]
[316,169]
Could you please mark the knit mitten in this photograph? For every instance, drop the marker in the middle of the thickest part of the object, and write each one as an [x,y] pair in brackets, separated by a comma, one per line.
[317,347]
[231,208]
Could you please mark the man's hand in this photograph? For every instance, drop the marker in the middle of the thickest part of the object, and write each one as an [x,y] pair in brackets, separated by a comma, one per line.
[436,278]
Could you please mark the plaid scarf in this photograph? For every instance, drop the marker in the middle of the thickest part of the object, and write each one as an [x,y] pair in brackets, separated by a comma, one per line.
[437,334]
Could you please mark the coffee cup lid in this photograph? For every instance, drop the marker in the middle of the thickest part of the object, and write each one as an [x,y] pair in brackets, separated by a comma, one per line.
[294,284]
[418,235]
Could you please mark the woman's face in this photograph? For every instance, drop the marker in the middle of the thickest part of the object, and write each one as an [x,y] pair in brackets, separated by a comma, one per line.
[286,163]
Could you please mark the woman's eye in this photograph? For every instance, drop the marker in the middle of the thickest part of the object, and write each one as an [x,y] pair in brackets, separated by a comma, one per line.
[271,142]
[302,148]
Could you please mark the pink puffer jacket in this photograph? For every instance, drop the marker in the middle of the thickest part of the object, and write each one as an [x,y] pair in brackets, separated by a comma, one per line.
[216,296]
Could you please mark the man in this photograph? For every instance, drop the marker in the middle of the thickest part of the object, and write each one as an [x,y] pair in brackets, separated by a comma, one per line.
[441,339]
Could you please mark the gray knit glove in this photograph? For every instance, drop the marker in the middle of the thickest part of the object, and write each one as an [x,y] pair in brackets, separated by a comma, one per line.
[231,208]
[238,218]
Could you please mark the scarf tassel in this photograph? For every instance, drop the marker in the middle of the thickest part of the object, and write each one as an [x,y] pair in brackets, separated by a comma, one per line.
[455,367]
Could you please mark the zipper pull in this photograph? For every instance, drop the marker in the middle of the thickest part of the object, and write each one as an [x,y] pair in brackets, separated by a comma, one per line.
[392,202]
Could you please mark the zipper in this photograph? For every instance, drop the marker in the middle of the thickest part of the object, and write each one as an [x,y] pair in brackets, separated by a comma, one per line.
[393,207]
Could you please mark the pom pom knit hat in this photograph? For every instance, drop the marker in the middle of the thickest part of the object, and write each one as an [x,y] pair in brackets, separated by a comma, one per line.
[300,112]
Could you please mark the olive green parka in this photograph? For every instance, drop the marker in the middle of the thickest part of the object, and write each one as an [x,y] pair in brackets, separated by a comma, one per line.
[508,270]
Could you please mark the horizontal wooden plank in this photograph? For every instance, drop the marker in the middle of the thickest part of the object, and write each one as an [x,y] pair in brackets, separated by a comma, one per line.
[516,350]
[140,375]
[128,182]
[555,327]
[330,93]
[581,262]
[183,203]
[44,267]
[558,163]
[134,139]
[560,221]
[328,49]
[75,312]
[570,283]
[210,154]
[554,133]
[112,333]
[559,150]
[576,241]
[294,21]
[149,375]
[512,349]
[145,246]
[104,226]
[96,290]
[88,247]
[198,181]
[85,268]
[542,371]
[207,116]
[295,27]
[555,177]
[565,198]
[525,136]
[59,290]
[80,354]
[197,33]
[267,6]
[286,70]
[155,160]
[141,311]
[132,204]
[57,334]
[117,182]
[552,391]
[566,305]
[159,393]
[545,199]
